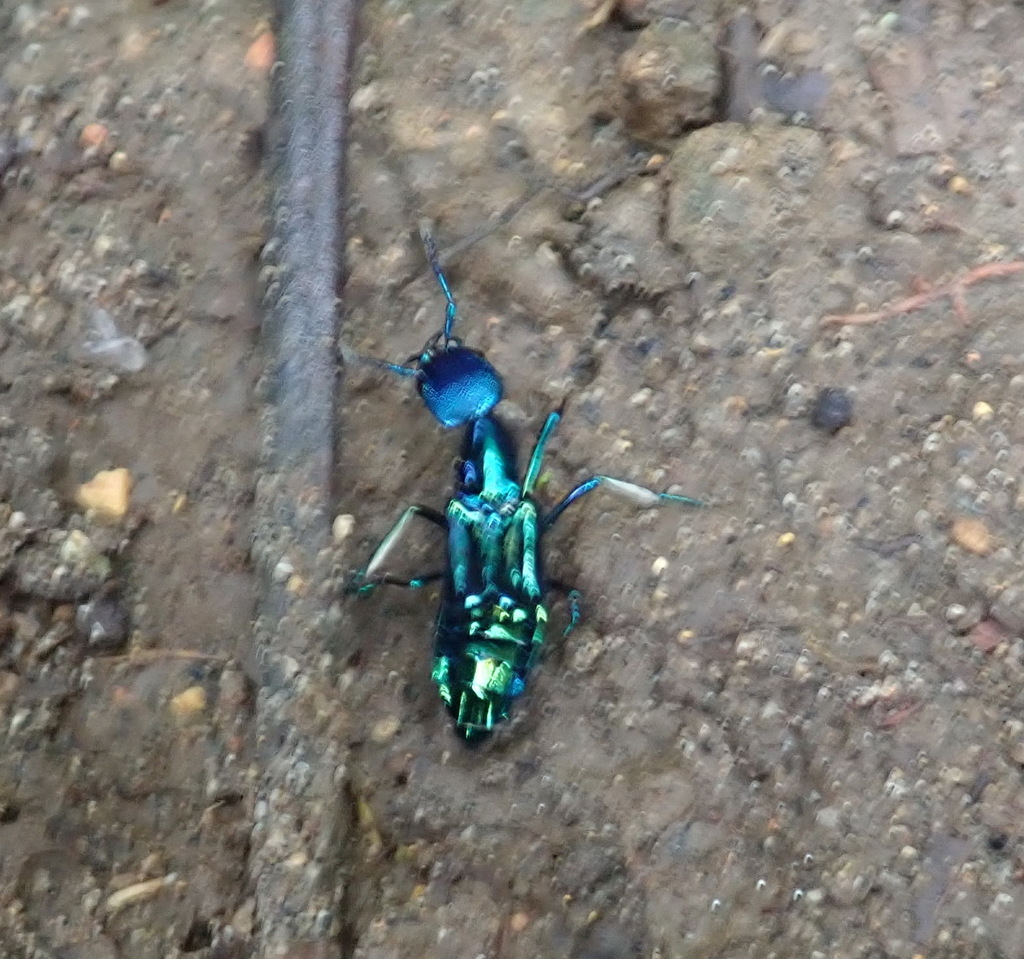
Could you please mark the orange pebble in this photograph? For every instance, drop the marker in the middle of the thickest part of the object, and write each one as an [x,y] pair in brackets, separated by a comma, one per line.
[519,921]
[261,53]
[93,135]
[972,535]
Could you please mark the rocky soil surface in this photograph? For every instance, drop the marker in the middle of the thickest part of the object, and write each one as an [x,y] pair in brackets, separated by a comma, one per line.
[769,257]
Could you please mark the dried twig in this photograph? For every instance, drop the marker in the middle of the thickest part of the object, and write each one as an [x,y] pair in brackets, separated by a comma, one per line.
[141,656]
[138,892]
[899,715]
[954,289]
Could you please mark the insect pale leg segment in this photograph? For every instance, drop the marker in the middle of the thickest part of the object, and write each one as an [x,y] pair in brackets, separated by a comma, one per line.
[640,495]
[366,578]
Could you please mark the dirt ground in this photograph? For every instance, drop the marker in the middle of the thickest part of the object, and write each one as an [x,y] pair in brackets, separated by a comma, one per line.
[790,723]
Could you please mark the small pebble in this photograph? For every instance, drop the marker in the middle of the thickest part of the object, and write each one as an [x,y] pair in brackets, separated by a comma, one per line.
[78,16]
[107,494]
[963,618]
[134,45]
[786,539]
[659,566]
[987,635]
[244,918]
[982,412]
[119,162]
[365,98]
[384,729]
[519,921]
[189,702]
[93,135]
[959,184]
[342,527]
[103,622]
[832,410]
[9,684]
[972,535]
[737,405]
[803,669]
[747,644]
[954,611]
[77,549]
[261,53]
[283,571]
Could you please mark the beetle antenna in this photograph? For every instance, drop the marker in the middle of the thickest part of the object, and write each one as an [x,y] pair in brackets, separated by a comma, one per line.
[350,357]
[435,265]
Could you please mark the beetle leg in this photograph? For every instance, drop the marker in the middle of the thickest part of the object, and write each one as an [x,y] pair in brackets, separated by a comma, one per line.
[460,548]
[537,457]
[388,580]
[575,600]
[367,577]
[351,357]
[435,265]
[531,583]
[640,495]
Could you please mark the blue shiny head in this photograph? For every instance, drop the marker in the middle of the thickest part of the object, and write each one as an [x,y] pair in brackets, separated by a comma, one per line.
[457,384]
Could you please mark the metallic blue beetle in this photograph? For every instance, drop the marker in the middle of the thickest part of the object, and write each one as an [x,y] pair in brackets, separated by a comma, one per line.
[491,623]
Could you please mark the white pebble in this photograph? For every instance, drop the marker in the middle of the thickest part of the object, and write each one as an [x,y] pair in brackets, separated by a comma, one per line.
[342,527]
[283,571]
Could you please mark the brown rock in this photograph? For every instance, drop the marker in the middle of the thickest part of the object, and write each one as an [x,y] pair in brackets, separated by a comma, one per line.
[987,635]
[669,81]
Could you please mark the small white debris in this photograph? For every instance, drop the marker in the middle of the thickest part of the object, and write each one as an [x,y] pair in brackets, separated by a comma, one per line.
[283,571]
[106,346]
[342,527]
[137,892]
